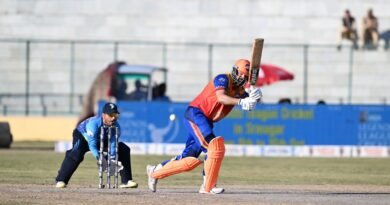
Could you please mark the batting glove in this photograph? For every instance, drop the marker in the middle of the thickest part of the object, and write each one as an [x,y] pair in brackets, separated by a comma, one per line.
[255,93]
[247,103]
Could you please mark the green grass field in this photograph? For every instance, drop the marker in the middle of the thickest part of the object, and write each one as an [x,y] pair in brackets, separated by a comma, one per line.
[36,163]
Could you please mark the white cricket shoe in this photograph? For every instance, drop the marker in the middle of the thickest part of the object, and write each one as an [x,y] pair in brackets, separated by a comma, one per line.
[152,182]
[130,184]
[214,190]
[60,184]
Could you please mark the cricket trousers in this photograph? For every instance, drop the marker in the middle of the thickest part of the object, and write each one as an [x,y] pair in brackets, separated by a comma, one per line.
[75,156]
[200,133]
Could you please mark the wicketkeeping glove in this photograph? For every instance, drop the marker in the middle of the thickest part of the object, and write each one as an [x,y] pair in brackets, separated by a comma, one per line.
[112,166]
[247,103]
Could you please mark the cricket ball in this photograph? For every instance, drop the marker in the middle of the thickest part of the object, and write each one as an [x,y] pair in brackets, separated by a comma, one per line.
[172,117]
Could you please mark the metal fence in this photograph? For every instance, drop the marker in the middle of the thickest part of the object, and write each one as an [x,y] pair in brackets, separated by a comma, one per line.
[48,77]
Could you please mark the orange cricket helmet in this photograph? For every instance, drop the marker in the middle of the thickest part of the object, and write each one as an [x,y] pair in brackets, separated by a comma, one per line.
[241,67]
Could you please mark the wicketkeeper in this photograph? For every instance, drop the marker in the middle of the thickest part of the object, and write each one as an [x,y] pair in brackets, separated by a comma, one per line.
[86,137]
[214,103]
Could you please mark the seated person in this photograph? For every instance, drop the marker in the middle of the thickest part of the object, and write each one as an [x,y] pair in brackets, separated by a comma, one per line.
[370,30]
[120,89]
[159,93]
[348,30]
[386,38]
[138,94]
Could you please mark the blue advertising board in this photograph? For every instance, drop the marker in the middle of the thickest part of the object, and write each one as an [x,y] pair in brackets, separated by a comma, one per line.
[269,124]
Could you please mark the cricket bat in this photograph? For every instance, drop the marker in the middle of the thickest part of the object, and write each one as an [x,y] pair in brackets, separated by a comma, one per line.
[257,50]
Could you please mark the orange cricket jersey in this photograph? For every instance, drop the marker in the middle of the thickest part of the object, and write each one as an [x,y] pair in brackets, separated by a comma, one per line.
[207,101]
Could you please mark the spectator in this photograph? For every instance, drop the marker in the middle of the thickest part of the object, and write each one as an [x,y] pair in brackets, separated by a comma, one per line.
[285,101]
[120,88]
[138,94]
[160,93]
[321,102]
[348,30]
[370,30]
[386,37]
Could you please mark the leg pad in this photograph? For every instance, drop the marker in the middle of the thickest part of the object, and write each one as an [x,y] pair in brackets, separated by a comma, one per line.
[177,166]
[215,155]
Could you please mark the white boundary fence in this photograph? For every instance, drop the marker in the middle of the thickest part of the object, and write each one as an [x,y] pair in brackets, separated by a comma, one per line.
[257,150]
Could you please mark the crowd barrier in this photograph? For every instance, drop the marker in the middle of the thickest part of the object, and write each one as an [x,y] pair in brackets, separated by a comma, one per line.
[256,150]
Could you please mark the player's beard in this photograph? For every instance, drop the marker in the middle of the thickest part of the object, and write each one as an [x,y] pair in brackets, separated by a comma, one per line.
[108,122]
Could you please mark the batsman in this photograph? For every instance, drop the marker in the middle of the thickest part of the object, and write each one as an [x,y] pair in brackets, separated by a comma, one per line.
[86,138]
[215,102]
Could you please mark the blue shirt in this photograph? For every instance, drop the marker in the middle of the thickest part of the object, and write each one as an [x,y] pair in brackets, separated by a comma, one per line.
[91,129]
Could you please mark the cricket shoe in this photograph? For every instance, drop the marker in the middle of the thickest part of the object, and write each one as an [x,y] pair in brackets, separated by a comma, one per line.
[214,190]
[129,184]
[60,184]
[152,182]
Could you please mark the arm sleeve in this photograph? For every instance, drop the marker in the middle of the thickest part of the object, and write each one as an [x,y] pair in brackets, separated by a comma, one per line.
[91,136]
